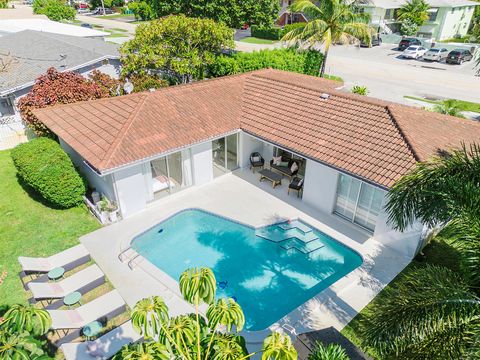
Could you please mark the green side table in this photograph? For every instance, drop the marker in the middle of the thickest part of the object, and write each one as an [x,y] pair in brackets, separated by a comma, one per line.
[72,298]
[92,329]
[56,273]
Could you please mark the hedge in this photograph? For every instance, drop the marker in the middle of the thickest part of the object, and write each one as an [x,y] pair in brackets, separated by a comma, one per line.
[288,59]
[46,168]
[272,33]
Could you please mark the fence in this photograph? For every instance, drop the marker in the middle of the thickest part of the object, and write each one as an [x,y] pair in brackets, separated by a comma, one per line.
[12,132]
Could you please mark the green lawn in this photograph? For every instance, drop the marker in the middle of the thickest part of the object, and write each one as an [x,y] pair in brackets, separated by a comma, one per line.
[254,40]
[116,35]
[30,228]
[115,16]
[332,77]
[464,105]
[438,253]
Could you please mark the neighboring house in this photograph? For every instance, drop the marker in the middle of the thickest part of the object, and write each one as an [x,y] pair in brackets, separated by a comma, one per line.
[447,18]
[48,26]
[351,149]
[286,17]
[27,54]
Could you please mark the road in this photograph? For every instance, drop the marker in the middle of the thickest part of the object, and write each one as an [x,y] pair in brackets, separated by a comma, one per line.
[390,78]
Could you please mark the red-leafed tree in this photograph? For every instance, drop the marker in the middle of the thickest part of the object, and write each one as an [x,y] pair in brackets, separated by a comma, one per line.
[59,88]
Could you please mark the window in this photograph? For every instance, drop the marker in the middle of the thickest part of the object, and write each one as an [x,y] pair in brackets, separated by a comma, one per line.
[358,202]
[432,14]
[389,14]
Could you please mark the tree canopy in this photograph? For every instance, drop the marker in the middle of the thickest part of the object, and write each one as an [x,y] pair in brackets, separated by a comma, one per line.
[233,13]
[55,10]
[416,11]
[176,46]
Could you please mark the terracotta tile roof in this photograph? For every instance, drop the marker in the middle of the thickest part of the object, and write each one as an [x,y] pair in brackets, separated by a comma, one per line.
[372,139]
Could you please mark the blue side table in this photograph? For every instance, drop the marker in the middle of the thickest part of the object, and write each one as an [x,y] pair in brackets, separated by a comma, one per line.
[92,329]
[72,298]
[56,273]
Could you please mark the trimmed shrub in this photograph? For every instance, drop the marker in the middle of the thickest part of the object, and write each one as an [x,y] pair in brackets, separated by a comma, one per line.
[271,33]
[287,28]
[47,169]
[55,10]
[300,61]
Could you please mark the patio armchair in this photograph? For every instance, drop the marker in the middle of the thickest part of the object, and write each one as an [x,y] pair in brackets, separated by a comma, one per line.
[296,185]
[285,168]
[256,160]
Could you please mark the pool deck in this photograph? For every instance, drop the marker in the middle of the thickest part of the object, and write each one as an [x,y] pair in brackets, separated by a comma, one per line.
[242,197]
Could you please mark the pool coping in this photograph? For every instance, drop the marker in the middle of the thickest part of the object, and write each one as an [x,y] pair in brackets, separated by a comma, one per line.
[251,336]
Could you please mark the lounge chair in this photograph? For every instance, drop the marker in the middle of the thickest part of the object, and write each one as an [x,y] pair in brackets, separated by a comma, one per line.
[82,281]
[105,307]
[286,170]
[68,259]
[256,161]
[296,185]
[104,347]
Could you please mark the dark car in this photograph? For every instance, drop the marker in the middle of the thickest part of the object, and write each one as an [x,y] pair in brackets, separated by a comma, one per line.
[99,11]
[458,56]
[376,41]
[406,42]
[85,25]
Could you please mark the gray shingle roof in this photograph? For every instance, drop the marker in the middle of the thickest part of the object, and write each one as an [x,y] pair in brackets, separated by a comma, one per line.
[28,54]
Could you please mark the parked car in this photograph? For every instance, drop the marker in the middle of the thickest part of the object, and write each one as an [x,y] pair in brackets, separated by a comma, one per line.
[99,11]
[86,25]
[458,56]
[414,52]
[406,42]
[435,54]
[376,41]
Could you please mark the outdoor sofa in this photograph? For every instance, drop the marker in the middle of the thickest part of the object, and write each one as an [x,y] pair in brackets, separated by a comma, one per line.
[285,167]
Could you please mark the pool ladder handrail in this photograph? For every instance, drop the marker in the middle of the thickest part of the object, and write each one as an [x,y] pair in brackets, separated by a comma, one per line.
[135,261]
[126,254]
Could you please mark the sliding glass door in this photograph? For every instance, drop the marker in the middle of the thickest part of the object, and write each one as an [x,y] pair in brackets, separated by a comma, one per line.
[225,155]
[358,202]
[171,173]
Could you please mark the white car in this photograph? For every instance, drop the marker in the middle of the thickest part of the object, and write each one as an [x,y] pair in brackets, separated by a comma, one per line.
[414,52]
[435,54]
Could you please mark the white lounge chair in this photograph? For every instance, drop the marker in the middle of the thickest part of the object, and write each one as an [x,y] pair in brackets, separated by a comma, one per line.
[104,347]
[68,259]
[82,281]
[106,306]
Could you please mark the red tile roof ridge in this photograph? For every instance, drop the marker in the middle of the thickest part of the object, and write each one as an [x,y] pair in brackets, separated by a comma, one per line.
[131,118]
[402,134]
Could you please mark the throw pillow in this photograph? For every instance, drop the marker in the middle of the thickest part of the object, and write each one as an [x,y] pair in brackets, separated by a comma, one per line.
[294,167]
[284,164]
[277,160]
[256,158]
[300,182]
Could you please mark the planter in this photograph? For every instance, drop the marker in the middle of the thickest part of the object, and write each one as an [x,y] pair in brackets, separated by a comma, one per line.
[113,216]
[95,197]
[104,217]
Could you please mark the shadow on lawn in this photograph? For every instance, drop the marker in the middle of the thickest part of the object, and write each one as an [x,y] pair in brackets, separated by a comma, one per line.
[35,196]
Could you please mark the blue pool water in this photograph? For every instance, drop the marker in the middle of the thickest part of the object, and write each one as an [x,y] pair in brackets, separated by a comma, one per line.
[270,271]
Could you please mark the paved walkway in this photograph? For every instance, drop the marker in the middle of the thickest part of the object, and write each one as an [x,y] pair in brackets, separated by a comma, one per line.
[240,196]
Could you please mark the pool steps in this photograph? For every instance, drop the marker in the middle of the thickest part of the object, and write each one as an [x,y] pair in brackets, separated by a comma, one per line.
[293,235]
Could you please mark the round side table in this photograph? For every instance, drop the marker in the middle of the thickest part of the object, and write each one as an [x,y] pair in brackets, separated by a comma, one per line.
[92,329]
[72,298]
[56,273]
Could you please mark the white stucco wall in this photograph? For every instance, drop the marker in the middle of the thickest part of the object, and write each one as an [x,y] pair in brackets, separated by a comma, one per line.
[103,184]
[320,186]
[131,189]
[202,163]
[248,145]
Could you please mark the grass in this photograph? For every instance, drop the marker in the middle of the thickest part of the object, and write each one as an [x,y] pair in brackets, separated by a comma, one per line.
[254,40]
[438,252]
[464,39]
[116,35]
[119,30]
[464,105]
[333,77]
[31,228]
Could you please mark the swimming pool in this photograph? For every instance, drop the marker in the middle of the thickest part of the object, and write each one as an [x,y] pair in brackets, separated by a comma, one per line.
[270,271]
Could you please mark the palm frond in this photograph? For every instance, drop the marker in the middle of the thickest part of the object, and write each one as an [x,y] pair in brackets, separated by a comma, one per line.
[307,7]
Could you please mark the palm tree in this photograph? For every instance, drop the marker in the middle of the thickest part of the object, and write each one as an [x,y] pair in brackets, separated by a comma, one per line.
[278,346]
[143,351]
[449,107]
[330,352]
[431,313]
[415,11]
[331,22]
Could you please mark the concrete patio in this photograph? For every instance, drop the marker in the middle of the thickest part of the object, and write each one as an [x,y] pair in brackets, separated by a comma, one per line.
[242,197]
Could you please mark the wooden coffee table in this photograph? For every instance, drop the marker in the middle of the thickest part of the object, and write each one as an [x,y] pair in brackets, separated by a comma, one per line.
[274,178]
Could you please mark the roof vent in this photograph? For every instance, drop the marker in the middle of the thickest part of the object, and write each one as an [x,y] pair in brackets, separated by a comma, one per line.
[324,96]
[152,89]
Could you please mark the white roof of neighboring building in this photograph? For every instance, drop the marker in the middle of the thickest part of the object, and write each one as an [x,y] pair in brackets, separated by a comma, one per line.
[16,25]
[395,4]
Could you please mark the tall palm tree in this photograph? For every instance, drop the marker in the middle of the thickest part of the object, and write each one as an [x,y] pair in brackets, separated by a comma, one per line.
[449,107]
[431,313]
[331,22]
[415,11]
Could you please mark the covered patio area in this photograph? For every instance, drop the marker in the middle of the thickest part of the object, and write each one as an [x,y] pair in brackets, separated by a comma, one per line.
[242,197]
